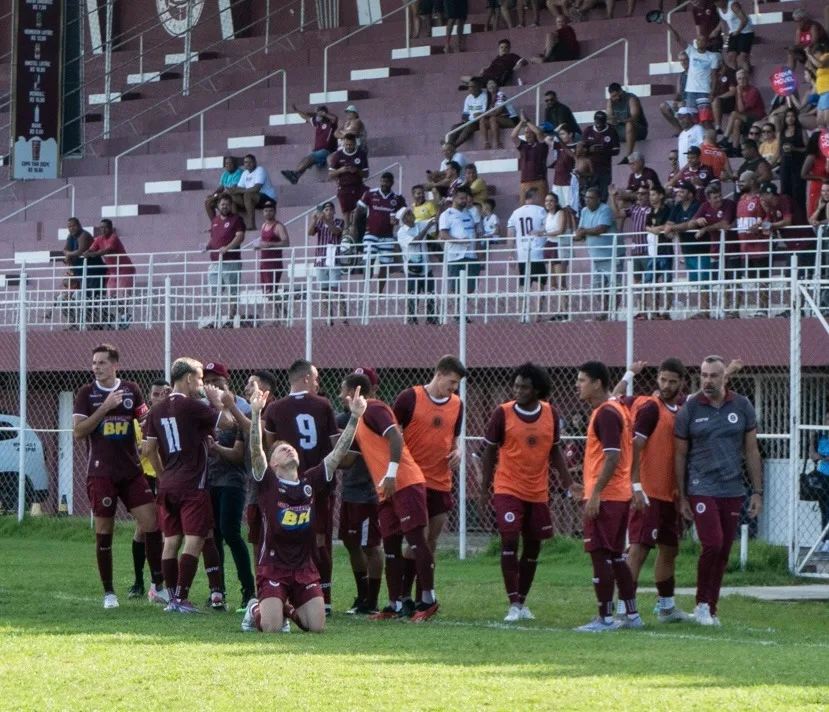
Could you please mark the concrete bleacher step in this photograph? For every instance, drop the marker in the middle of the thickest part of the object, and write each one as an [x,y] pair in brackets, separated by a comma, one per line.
[358,75]
[115,97]
[285,119]
[254,141]
[63,232]
[468,29]
[152,77]
[413,52]
[179,57]
[129,210]
[339,96]
[171,186]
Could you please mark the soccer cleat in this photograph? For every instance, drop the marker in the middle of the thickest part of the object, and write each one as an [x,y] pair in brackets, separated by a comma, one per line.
[674,616]
[158,594]
[110,600]
[217,601]
[408,609]
[631,622]
[425,611]
[365,609]
[248,624]
[328,610]
[186,606]
[526,614]
[387,614]
[136,591]
[286,626]
[513,614]
[702,614]
[171,607]
[597,625]
[355,607]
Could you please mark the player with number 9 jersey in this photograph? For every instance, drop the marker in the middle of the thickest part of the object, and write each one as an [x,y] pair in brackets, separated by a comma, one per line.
[305,421]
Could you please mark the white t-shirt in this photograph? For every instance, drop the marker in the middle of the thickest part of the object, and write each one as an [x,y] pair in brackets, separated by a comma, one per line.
[732,21]
[458,158]
[492,226]
[690,137]
[461,228]
[474,106]
[255,177]
[412,251]
[700,67]
[554,222]
[524,222]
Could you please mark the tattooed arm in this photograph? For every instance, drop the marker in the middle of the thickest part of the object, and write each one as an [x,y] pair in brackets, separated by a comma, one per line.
[357,406]
[259,463]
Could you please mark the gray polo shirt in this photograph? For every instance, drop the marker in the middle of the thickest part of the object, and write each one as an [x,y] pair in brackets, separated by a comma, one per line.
[357,484]
[221,473]
[716,443]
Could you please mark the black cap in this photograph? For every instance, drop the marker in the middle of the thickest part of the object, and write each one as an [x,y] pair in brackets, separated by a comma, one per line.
[695,150]
[269,204]
[687,185]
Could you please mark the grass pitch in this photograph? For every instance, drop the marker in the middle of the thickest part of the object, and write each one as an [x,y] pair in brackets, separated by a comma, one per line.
[59,650]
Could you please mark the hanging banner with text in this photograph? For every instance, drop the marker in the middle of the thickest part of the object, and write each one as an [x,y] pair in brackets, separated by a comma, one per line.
[37,89]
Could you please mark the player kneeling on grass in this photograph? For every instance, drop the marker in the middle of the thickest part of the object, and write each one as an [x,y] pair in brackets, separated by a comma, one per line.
[285,572]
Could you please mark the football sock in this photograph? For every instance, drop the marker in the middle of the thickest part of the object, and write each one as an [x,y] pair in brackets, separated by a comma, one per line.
[393,546]
[212,565]
[187,567]
[527,566]
[103,553]
[170,569]
[625,584]
[374,585]
[665,591]
[603,581]
[325,565]
[154,546]
[510,567]
[361,579]
[139,557]
[424,559]
[409,575]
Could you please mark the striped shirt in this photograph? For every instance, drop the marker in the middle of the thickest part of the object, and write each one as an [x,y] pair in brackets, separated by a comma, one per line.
[638,216]
[327,242]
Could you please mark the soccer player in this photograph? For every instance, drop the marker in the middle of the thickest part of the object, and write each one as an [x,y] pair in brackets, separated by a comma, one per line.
[286,572]
[104,414]
[608,460]
[401,488]
[523,434]
[306,421]
[430,417]
[359,525]
[526,226]
[159,389]
[177,432]
[716,430]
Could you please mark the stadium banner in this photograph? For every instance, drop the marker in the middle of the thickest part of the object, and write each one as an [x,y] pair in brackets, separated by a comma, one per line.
[37,89]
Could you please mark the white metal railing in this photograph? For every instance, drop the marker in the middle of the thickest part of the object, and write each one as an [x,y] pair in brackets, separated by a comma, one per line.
[537,86]
[69,186]
[668,22]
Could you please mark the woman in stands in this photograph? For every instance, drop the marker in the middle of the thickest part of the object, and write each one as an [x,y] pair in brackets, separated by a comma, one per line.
[272,241]
[558,229]
[506,117]
[792,154]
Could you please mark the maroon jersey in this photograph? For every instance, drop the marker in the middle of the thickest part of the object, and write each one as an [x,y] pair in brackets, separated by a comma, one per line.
[381,208]
[181,426]
[287,509]
[222,232]
[358,159]
[608,140]
[324,134]
[111,447]
[647,178]
[306,422]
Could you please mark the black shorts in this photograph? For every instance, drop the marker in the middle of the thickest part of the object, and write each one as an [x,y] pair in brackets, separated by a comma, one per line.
[728,104]
[425,7]
[758,269]
[152,481]
[457,9]
[538,272]
[741,44]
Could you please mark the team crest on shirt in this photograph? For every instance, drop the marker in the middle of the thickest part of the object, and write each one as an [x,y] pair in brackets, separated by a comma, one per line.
[700,507]
[294,518]
[532,441]
[307,490]
[107,501]
[607,139]
[509,517]
[719,214]
[703,175]
[437,422]
[324,126]
[127,403]
[356,161]
[394,203]
[751,206]
[227,224]
[732,418]
[654,534]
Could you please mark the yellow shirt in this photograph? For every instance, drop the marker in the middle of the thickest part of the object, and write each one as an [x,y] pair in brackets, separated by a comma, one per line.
[822,77]
[149,470]
[425,212]
[479,191]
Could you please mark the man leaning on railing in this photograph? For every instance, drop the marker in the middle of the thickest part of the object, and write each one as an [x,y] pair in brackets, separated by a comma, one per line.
[596,228]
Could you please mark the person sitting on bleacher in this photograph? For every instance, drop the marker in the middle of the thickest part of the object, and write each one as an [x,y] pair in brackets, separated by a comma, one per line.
[753,161]
[748,109]
[325,141]
[501,68]
[252,192]
[562,44]
[447,148]
[120,272]
[669,108]
[230,179]
[477,186]
[807,34]
[475,104]
[505,117]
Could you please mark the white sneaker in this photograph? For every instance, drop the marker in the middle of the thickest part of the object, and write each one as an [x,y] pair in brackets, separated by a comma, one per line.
[716,622]
[248,624]
[286,626]
[674,616]
[702,614]
[158,595]
[630,622]
[513,614]
[110,600]
[526,614]
[597,625]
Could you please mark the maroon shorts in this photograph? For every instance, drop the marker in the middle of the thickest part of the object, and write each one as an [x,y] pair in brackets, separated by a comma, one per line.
[405,511]
[254,520]
[438,502]
[359,525]
[295,585]
[324,513]
[607,531]
[104,494]
[659,523]
[189,513]
[349,197]
[514,516]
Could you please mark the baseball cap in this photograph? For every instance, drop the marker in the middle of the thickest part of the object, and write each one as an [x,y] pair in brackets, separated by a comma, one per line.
[687,185]
[369,373]
[600,115]
[352,109]
[547,127]
[218,368]
[399,215]
[269,204]
[768,189]
[686,110]
[693,149]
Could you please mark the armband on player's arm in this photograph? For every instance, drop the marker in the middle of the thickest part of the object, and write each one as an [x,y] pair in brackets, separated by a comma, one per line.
[391,471]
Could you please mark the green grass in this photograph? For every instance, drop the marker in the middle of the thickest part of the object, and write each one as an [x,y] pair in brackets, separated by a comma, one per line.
[59,650]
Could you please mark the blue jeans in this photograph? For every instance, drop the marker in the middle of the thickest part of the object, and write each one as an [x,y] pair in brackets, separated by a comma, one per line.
[699,267]
[228,509]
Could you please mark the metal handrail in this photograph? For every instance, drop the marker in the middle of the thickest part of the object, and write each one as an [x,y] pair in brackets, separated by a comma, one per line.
[379,20]
[70,186]
[668,22]
[537,86]
[201,114]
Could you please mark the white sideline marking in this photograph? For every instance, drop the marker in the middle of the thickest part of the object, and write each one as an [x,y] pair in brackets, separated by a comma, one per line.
[61,596]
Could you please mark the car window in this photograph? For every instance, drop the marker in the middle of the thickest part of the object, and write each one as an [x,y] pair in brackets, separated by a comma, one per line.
[7,434]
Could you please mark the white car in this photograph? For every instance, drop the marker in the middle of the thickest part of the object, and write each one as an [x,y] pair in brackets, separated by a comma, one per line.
[37,476]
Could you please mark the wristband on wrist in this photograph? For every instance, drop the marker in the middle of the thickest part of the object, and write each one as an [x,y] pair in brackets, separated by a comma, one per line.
[628,377]
[391,471]
[637,487]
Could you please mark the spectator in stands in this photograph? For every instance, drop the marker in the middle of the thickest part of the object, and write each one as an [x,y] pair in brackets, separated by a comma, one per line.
[673,166]
[354,125]
[714,157]
[818,61]
[754,250]
[456,13]
[532,156]
[490,223]
[770,145]
[694,246]
[583,172]
[669,108]
[457,230]
[447,186]
[660,254]
[702,70]
[565,184]
[349,167]
[724,92]
[501,68]
[230,179]
[792,155]
[561,45]
[580,8]
[558,251]
[748,109]
[252,191]
[120,273]
[328,229]
[633,220]
[740,33]
[602,144]
[640,176]
[628,118]
[477,187]
[754,162]
[820,216]
[693,172]
[475,104]
[78,243]
[500,114]
[411,237]
[706,21]
[778,214]
[424,210]
[558,114]
[815,172]
[380,205]
[807,33]
[325,142]
[273,239]
[498,10]
[449,154]
[692,134]
[596,228]
[227,233]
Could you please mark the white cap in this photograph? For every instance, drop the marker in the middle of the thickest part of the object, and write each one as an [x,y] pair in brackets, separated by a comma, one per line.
[401,213]
[687,110]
